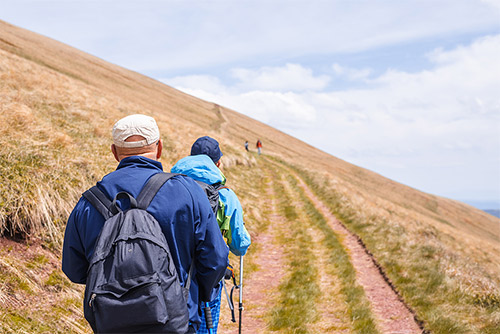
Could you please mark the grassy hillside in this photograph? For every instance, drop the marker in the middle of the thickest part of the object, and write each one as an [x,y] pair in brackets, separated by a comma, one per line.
[57,106]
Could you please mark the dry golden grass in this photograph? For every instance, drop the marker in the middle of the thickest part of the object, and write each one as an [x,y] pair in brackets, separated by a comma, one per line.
[445,274]
[57,106]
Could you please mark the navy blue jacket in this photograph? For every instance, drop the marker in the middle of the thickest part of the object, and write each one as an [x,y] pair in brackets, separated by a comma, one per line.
[185,216]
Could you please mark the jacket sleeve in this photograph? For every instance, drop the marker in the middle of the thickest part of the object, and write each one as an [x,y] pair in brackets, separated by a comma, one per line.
[74,261]
[238,237]
[211,252]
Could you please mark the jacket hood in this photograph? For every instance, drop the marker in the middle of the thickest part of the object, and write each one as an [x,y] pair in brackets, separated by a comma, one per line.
[201,168]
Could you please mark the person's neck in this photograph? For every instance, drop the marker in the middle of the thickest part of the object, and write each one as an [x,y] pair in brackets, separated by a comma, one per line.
[150,155]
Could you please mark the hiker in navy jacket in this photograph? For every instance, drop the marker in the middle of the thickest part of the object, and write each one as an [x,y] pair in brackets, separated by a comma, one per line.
[180,206]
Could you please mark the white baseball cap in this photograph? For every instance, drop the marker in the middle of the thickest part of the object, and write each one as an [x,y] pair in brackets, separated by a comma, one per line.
[135,125]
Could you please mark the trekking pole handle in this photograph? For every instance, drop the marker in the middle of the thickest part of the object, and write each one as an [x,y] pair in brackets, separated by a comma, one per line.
[208,317]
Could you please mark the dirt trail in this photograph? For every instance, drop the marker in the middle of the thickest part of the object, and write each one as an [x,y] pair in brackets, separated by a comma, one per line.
[331,315]
[221,123]
[331,309]
[391,313]
[260,289]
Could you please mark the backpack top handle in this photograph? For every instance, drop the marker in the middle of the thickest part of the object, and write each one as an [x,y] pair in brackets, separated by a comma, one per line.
[115,207]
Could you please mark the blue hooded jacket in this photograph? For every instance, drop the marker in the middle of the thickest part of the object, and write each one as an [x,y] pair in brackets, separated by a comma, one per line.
[230,215]
[185,217]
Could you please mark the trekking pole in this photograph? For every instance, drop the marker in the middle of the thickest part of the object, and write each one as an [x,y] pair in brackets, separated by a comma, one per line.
[241,294]
[229,302]
[208,318]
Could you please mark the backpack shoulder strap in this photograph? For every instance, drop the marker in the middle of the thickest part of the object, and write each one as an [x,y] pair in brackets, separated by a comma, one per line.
[149,191]
[99,201]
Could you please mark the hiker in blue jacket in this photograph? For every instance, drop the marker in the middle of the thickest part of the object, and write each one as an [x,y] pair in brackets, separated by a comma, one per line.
[203,165]
[180,206]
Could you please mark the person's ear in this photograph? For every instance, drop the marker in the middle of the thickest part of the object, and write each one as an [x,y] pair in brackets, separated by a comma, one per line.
[115,153]
[159,149]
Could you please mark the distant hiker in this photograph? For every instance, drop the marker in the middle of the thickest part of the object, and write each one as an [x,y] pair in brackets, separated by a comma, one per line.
[203,165]
[118,255]
[259,145]
[246,145]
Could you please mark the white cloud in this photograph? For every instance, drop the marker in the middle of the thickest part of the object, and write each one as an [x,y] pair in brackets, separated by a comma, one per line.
[291,77]
[456,101]
[207,83]
[353,74]
[494,3]
[274,95]
[281,110]
[464,83]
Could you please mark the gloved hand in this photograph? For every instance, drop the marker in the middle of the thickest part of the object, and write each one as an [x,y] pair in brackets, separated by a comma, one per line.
[229,272]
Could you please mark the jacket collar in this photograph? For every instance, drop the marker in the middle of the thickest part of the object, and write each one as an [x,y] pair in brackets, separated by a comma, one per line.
[199,167]
[138,161]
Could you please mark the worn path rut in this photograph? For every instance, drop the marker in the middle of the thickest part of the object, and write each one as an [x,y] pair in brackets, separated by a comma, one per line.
[260,289]
[392,314]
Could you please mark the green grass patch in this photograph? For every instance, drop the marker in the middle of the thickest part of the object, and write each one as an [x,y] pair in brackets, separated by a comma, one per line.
[300,289]
[249,184]
[57,280]
[37,262]
[23,322]
[12,282]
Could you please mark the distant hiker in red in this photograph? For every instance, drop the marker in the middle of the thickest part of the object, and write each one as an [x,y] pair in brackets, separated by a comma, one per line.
[259,145]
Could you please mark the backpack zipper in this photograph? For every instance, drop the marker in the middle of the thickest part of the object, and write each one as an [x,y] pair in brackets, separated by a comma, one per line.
[92,299]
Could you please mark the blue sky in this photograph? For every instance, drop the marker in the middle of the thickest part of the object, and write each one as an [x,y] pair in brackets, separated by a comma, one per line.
[409,89]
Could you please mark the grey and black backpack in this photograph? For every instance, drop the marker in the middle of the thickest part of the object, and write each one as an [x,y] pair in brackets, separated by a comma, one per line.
[212,192]
[132,283]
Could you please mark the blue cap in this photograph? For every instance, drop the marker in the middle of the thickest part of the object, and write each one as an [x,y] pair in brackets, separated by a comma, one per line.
[208,146]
